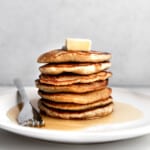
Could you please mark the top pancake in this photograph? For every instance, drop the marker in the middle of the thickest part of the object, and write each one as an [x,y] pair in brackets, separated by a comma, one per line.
[60,56]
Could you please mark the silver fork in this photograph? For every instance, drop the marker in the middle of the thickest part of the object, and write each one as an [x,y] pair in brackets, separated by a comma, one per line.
[28,115]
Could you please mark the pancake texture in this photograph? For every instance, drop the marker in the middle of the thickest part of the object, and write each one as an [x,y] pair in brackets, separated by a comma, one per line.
[67,79]
[77,68]
[74,106]
[73,88]
[87,114]
[74,84]
[61,56]
[83,98]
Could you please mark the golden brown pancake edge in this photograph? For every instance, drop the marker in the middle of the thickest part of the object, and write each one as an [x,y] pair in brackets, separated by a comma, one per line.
[89,114]
[67,79]
[77,68]
[73,88]
[74,106]
[83,98]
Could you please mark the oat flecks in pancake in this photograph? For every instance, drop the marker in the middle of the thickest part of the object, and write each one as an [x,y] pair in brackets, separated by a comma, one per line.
[77,68]
[83,98]
[74,106]
[73,88]
[89,114]
[67,79]
[60,56]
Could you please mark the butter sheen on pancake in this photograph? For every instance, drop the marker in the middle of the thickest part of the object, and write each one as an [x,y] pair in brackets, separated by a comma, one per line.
[82,98]
[61,56]
[67,79]
[73,88]
[77,68]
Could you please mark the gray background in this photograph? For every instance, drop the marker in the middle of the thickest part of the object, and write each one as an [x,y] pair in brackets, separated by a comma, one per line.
[31,27]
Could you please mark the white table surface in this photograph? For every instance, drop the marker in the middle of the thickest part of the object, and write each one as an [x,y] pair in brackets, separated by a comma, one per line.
[10,141]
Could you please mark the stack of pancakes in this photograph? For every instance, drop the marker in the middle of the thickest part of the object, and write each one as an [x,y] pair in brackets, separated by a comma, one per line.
[73,84]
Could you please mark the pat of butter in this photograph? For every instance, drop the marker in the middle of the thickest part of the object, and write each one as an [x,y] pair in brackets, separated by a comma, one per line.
[78,44]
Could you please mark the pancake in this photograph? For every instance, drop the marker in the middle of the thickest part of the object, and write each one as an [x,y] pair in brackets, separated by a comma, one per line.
[67,79]
[87,114]
[75,107]
[61,56]
[73,88]
[77,68]
[82,98]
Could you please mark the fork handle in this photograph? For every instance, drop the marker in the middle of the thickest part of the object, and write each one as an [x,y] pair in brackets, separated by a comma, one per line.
[21,90]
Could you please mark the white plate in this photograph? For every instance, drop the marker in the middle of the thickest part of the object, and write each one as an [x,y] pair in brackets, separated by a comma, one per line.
[103,133]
